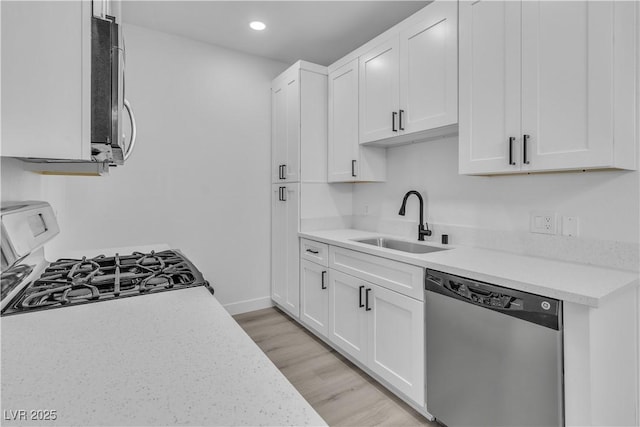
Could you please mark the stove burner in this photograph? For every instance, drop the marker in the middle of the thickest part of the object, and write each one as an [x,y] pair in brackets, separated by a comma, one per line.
[155,282]
[69,282]
[150,259]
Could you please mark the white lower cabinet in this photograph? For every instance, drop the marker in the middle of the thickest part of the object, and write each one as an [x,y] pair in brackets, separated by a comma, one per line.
[347,314]
[396,341]
[285,257]
[314,296]
[382,329]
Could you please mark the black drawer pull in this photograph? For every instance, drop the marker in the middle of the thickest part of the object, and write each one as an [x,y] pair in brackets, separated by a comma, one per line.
[323,282]
[401,117]
[367,299]
[312,251]
[525,142]
[353,168]
[511,140]
[393,121]
[360,304]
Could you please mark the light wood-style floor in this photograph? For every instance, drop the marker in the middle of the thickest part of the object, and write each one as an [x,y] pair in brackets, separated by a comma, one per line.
[338,390]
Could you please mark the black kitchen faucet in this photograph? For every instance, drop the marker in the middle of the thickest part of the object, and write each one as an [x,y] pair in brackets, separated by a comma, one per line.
[422,231]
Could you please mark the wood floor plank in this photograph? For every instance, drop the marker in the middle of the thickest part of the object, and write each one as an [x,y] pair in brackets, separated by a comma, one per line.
[339,391]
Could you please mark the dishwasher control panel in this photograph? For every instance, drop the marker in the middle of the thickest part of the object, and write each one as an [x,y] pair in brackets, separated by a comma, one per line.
[524,305]
[484,297]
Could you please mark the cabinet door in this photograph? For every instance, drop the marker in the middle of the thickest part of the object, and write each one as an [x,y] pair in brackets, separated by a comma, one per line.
[292,206]
[343,146]
[347,320]
[379,93]
[314,296]
[285,274]
[278,243]
[489,37]
[396,341]
[429,70]
[46,63]
[567,84]
[285,128]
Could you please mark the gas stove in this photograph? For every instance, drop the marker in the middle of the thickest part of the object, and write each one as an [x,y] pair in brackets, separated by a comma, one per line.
[68,282]
[30,283]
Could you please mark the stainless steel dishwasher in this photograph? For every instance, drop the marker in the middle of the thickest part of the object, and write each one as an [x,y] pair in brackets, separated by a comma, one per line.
[494,355]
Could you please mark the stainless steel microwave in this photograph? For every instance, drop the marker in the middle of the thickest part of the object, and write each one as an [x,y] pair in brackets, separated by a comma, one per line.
[107,90]
[109,146]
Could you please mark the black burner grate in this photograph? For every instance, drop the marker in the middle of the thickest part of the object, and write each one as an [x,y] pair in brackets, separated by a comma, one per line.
[79,281]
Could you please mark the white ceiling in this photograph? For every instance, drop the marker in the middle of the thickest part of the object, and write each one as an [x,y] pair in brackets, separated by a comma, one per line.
[315,31]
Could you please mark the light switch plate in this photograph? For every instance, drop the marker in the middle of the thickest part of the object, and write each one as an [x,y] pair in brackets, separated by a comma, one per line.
[543,222]
[570,226]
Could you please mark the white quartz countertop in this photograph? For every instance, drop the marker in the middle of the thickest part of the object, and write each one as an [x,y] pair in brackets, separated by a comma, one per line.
[171,358]
[572,282]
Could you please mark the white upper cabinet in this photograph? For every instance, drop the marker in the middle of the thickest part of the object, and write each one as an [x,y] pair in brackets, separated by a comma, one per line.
[46,70]
[489,86]
[299,124]
[428,71]
[63,86]
[568,65]
[348,161]
[547,86]
[285,138]
[379,92]
[408,83]
[343,147]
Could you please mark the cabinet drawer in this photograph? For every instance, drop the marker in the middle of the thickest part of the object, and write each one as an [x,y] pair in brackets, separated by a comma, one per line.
[400,277]
[314,251]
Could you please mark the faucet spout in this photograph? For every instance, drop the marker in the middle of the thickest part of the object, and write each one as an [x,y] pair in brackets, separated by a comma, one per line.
[422,231]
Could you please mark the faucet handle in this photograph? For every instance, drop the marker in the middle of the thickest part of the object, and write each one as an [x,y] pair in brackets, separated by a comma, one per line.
[425,229]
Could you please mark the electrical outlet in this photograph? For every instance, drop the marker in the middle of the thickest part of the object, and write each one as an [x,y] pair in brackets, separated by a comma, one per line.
[543,222]
[570,226]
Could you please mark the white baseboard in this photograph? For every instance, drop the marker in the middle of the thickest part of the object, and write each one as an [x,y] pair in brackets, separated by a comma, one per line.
[248,305]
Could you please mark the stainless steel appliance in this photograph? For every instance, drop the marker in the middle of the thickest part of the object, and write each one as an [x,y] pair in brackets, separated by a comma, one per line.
[30,283]
[108,102]
[494,355]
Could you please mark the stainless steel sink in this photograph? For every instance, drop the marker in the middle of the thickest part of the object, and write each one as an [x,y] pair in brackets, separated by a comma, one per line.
[400,245]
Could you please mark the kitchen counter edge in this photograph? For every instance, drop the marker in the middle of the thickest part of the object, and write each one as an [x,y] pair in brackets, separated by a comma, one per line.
[571,282]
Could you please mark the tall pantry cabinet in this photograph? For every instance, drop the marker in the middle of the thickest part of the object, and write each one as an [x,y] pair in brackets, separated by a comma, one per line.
[298,155]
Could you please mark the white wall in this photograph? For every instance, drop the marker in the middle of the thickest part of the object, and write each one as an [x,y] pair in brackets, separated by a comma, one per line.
[606,202]
[199,178]
[17,184]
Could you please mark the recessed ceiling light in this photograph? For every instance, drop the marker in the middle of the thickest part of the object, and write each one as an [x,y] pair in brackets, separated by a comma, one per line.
[257,25]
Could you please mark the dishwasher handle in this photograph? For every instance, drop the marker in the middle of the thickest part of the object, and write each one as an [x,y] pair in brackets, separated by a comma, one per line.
[530,307]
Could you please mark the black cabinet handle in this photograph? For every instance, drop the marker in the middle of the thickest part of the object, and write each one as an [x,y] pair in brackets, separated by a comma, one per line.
[284,194]
[401,116]
[312,251]
[324,284]
[511,140]
[393,121]
[353,168]
[360,304]
[367,299]
[525,142]
[280,193]
[280,172]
